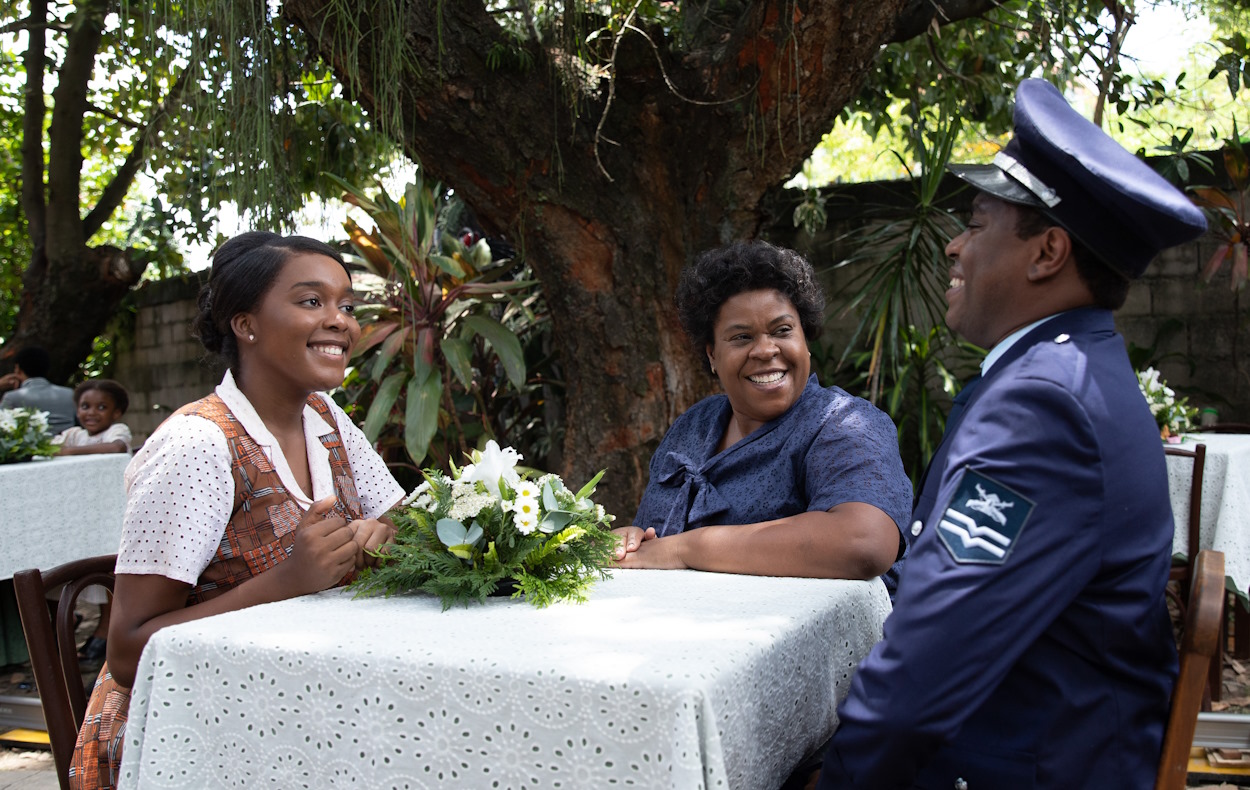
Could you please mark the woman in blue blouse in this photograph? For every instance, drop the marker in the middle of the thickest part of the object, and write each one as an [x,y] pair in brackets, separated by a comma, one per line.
[778,476]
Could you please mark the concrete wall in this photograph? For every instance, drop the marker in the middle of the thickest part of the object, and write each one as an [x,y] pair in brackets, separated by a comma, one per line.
[162,365]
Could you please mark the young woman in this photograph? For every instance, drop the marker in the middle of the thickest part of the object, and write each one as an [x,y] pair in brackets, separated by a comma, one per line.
[262,491]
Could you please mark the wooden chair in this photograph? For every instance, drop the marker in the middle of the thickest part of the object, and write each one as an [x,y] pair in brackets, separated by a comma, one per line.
[1199,645]
[53,651]
[1226,427]
[1183,573]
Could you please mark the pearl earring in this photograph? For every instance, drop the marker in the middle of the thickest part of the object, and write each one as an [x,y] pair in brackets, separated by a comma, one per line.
[251,338]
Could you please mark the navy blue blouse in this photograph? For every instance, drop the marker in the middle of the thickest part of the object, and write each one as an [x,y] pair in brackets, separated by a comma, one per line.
[830,447]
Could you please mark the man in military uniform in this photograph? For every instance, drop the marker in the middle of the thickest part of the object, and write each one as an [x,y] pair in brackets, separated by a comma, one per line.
[1030,646]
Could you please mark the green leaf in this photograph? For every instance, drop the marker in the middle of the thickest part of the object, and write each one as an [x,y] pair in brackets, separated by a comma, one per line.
[380,410]
[457,353]
[449,265]
[421,415]
[589,488]
[505,344]
[450,531]
[389,348]
[549,499]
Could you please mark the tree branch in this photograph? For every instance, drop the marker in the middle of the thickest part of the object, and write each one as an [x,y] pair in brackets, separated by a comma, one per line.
[98,110]
[119,185]
[30,23]
[918,15]
[36,62]
[65,132]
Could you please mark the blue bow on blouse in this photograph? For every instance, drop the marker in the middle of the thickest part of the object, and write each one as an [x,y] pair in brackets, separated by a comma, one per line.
[697,503]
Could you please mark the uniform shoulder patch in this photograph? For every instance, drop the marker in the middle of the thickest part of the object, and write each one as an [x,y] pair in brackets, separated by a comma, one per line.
[982,521]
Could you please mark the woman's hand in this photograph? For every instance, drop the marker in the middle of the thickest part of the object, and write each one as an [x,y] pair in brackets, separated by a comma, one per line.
[325,550]
[371,535]
[630,538]
[658,553]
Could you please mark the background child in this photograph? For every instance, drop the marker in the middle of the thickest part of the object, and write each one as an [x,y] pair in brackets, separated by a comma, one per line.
[100,403]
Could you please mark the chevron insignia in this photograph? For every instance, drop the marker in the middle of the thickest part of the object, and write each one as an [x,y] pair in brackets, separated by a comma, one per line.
[982,520]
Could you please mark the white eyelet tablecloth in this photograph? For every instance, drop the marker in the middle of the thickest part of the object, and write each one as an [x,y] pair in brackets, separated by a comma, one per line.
[1225,524]
[664,679]
[61,509]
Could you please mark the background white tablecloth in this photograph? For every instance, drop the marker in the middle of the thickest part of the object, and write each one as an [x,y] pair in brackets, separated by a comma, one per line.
[60,509]
[665,679]
[1225,524]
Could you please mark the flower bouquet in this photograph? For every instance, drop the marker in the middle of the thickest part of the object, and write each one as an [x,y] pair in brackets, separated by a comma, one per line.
[488,529]
[24,434]
[1173,415]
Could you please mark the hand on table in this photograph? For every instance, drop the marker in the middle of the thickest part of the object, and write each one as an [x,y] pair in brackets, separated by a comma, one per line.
[325,549]
[630,538]
[639,548]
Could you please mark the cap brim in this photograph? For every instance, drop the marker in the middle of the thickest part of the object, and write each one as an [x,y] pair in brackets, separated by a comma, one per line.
[989,178]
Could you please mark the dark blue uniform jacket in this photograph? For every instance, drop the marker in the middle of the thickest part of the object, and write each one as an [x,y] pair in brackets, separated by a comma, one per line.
[1029,646]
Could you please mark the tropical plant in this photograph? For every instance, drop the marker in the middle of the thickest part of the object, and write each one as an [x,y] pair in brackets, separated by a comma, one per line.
[903,264]
[439,353]
[1228,212]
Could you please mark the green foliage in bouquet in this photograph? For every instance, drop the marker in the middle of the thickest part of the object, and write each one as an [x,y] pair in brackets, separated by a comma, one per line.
[24,434]
[488,528]
[1173,415]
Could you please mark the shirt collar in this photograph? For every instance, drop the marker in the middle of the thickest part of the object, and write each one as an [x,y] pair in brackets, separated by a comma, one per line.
[314,428]
[1004,345]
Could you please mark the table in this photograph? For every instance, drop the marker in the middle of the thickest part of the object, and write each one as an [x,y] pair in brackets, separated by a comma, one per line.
[664,679]
[60,509]
[1225,500]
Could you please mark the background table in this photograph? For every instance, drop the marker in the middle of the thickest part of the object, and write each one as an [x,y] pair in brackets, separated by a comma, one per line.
[52,511]
[676,679]
[1225,501]
[60,509]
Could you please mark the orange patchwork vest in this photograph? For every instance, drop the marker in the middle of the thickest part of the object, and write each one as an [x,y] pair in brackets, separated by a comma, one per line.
[262,522]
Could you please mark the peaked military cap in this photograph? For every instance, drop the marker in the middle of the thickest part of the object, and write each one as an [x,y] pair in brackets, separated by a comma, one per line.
[1107,198]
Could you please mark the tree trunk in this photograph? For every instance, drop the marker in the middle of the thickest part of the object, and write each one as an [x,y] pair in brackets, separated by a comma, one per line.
[691,142]
[66,303]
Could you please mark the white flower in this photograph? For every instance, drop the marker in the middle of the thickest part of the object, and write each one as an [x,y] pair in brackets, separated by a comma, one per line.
[416,493]
[39,419]
[526,490]
[467,507]
[492,464]
[526,507]
[525,524]
[8,420]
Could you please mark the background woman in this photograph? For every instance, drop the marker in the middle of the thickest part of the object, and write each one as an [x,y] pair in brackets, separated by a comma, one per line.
[778,476]
[262,491]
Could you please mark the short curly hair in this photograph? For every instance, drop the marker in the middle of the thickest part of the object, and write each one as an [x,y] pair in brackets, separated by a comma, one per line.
[121,398]
[718,274]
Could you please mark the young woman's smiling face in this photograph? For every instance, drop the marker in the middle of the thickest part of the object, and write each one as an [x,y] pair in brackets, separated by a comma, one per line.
[301,334]
[760,355]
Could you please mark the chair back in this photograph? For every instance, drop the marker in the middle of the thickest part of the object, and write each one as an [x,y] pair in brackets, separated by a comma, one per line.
[1226,427]
[53,651]
[1199,456]
[1198,647]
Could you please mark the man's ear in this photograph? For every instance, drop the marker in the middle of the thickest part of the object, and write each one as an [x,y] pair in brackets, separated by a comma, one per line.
[1053,251]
